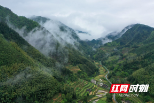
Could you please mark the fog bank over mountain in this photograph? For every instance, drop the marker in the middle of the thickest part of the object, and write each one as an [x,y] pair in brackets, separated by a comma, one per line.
[97,17]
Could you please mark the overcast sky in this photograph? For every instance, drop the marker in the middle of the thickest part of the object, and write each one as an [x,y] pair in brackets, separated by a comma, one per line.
[98,17]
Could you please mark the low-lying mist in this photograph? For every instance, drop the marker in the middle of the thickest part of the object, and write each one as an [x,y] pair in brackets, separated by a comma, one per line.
[114,35]
[61,32]
[46,42]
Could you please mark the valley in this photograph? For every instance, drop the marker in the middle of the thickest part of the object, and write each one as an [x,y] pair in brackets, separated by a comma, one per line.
[44,61]
[92,92]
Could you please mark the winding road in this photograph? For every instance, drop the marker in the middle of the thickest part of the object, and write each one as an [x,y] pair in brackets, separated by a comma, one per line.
[109,81]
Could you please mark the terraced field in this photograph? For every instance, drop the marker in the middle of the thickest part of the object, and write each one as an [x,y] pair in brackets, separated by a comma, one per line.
[135,99]
[100,92]
[102,71]
[81,87]
[132,99]
[72,68]
[102,74]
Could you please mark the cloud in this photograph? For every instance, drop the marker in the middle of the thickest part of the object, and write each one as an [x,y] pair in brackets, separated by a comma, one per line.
[44,41]
[61,32]
[98,17]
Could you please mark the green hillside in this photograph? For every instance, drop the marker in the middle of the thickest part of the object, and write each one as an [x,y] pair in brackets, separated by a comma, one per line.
[21,80]
[27,75]
[10,52]
[131,58]
[18,21]
[31,51]
[13,36]
[74,57]
[134,36]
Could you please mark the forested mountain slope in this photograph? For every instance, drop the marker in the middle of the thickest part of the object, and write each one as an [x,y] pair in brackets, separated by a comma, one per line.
[33,69]
[108,38]
[18,21]
[131,58]
[64,34]
[11,35]
[135,35]
[22,79]
[48,42]
[38,58]
[57,27]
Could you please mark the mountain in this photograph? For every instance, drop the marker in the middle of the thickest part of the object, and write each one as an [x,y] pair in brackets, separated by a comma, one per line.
[141,33]
[135,40]
[116,35]
[33,61]
[78,31]
[31,31]
[58,29]
[18,21]
[65,35]
[60,42]
[43,60]
[136,36]
[108,38]
[23,69]
[41,20]
[130,59]
[24,45]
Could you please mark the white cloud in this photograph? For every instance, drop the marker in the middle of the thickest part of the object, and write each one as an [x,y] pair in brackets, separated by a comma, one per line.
[98,17]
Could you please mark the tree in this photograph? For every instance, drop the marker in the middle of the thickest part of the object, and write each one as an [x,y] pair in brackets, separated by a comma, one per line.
[118,98]
[85,99]
[109,75]
[109,97]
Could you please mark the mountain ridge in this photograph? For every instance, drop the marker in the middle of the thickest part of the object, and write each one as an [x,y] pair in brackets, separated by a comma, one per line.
[37,64]
[130,60]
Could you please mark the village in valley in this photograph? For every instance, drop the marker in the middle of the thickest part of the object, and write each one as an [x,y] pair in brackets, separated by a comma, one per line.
[102,85]
[97,88]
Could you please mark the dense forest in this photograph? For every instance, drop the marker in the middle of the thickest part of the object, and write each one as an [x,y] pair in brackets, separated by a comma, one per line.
[30,76]
[131,58]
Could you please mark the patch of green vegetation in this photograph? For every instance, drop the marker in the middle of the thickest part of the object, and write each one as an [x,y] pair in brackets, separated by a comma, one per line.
[101,101]
[11,53]
[27,75]
[18,21]
[132,60]
[83,63]
[11,35]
